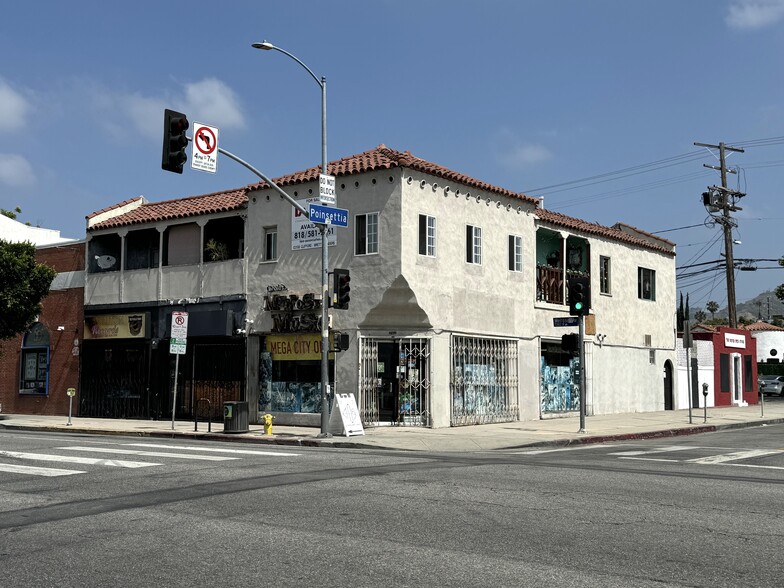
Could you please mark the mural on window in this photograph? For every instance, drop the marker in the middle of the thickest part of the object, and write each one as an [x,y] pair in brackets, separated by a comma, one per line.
[290,373]
[560,380]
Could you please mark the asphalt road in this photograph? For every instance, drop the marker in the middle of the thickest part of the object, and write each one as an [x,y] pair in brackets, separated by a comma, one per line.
[691,511]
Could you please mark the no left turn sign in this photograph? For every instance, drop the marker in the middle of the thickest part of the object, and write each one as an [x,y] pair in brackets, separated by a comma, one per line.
[205,148]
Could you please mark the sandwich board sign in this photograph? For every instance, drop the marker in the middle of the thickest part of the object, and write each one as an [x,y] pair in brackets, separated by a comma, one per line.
[346,420]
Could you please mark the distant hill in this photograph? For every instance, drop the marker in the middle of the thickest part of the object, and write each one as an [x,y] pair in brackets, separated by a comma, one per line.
[764,305]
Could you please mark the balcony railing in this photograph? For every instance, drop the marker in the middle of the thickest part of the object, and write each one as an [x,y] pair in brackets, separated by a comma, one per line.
[549,284]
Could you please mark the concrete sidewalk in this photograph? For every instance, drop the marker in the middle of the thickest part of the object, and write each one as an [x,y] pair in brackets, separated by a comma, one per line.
[552,432]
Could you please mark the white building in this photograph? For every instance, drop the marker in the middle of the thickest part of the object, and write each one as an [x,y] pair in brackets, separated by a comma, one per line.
[455,285]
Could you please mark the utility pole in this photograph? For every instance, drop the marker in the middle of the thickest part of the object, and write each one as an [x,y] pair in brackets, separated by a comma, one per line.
[727,204]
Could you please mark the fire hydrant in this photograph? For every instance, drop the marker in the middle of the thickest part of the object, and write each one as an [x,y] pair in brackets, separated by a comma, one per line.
[267,419]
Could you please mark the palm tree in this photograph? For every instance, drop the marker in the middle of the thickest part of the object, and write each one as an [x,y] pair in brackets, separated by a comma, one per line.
[712,306]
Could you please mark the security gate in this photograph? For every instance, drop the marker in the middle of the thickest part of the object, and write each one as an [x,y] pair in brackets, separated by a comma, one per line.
[394,382]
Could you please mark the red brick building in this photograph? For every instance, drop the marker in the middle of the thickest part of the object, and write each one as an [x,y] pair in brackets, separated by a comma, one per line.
[38,367]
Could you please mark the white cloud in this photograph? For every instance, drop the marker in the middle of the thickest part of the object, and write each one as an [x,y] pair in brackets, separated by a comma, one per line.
[212,102]
[209,101]
[754,14]
[13,108]
[15,170]
[513,153]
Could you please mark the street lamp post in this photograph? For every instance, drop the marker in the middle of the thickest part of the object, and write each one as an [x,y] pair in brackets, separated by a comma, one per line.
[322,82]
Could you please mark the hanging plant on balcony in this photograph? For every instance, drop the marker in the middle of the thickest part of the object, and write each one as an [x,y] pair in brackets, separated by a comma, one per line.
[216,251]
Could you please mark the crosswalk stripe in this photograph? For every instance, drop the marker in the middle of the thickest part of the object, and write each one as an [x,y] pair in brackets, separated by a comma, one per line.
[150,453]
[76,459]
[212,449]
[654,450]
[34,471]
[735,456]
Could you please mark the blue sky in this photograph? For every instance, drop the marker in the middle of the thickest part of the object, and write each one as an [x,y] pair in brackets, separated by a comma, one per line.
[522,94]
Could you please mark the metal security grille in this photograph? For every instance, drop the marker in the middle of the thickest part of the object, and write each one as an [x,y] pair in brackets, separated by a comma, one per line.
[414,395]
[395,382]
[483,380]
[217,375]
[114,381]
[369,382]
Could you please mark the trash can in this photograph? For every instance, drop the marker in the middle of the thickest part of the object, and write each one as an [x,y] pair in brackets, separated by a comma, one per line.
[235,417]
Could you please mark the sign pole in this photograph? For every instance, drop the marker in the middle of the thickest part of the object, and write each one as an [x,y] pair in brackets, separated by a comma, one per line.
[581,340]
[174,392]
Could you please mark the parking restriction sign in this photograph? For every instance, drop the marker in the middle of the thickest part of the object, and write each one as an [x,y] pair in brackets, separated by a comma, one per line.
[205,148]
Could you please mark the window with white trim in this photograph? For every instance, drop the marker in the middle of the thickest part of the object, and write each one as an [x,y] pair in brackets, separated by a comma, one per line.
[427,235]
[270,243]
[473,244]
[515,253]
[366,233]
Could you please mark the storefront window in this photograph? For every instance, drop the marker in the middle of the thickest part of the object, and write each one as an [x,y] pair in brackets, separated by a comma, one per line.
[34,372]
[560,379]
[290,373]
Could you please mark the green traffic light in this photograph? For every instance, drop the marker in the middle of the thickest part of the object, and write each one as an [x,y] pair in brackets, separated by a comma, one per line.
[578,305]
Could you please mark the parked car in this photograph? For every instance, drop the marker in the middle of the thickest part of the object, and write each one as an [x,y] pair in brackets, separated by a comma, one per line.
[770,384]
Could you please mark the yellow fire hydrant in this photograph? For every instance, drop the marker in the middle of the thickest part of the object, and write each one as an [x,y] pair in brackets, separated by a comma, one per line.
[267,419]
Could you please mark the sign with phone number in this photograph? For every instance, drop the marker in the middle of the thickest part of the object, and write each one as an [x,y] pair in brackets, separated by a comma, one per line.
[304,233]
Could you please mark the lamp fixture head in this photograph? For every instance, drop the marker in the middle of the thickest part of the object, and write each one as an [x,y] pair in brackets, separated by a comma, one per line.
[266,45]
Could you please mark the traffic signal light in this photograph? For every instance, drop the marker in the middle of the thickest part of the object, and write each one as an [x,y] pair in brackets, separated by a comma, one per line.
[175,142]
[341,289]
[570,342]
[579,291]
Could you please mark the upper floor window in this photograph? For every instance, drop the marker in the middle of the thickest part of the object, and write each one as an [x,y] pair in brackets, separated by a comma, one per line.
[427,235]
[473,244]
[604,274]
[646,283]
[270,243]
[366,232]
[515,253]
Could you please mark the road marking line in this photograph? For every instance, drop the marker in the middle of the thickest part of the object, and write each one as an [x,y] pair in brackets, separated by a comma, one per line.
[150,453]
[753,465]
[655,450]
[540,451]
[711,459]
[34,471]
[75,459]
[652,459]
[214,449]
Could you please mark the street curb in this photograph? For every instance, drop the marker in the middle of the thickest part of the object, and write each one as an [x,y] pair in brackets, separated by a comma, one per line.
[659,434]
[338,443]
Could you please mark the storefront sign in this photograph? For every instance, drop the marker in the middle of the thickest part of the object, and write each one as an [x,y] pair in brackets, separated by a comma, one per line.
[734,340]
[294,347]
[116,326]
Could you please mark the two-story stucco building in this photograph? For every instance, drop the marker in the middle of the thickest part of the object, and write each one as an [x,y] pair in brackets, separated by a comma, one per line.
[454,287]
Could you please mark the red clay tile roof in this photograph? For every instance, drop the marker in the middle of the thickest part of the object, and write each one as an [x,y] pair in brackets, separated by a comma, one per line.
[382,157]
[170,209]
[561,220]
[761,326]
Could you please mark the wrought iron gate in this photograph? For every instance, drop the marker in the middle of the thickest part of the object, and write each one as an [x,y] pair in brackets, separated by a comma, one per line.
[395,381]
[114,381]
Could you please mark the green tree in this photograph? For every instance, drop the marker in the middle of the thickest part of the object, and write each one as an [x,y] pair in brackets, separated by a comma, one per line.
[699,315]
[712,307]
[11,213]
[23,285]
[779,291]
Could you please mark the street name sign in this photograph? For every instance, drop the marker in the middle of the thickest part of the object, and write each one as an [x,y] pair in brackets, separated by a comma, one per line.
[205,148]
[566,321]
[328,215]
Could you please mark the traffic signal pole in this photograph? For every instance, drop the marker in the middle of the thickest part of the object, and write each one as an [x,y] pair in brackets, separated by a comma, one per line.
[581,351]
